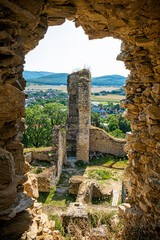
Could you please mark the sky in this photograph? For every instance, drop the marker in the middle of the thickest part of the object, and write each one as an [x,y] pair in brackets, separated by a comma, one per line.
[66,49]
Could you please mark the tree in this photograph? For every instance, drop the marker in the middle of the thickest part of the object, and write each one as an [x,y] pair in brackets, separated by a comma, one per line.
[118,133]
[38,128]
[124,124]
[40,122]
[113,125]
[95,119]
[56,112]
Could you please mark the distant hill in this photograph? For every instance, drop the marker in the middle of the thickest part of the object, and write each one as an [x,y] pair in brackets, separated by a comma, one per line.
[35,74]
[49,78]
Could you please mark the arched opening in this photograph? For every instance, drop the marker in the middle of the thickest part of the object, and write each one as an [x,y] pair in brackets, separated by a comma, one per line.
[66,49]
[78,51]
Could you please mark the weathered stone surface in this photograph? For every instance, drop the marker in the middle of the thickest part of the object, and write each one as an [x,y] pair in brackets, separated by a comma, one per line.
[14,228]
[46,179]
[59,153]
[81,136]
[79,113]
[6,169]
[85,189]
[74,184]
[102,142]
[11,103]
[31,186]
[28,157]
[100,233]
[41,227]
[76,214]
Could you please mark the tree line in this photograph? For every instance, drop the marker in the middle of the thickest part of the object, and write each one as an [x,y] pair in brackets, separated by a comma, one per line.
[40,121]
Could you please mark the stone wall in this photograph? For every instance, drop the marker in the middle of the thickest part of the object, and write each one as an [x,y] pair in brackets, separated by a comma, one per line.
[59,148]
[100,141]
[49,162]
[79,113]
[136,23]
[42,155]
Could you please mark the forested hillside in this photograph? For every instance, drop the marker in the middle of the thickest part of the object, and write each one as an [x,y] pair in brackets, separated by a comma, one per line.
[49,78]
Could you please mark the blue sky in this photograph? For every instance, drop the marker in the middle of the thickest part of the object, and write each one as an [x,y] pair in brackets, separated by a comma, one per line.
[67,49]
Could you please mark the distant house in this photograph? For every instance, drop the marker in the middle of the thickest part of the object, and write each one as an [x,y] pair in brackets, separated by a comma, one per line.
[96,104]
[95,109]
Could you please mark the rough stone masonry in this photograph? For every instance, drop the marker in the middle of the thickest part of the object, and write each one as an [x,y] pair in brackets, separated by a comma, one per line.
[79,113]
[137,24]
[82,138]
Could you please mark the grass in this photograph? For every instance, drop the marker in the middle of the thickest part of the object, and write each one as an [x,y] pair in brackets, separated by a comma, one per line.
[100,218]
[37,170]
[46,198]
[53,199]
[27,150]
[58,221]
[121,163]
[99,174]
[106,160]
[107,98]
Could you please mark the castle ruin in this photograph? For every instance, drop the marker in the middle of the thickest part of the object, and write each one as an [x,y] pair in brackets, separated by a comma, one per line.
[82,138]
[136,23]
[79,113]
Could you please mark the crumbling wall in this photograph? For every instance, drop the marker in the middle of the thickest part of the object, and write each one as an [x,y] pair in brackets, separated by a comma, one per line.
[136,23]
[102,142]
[59,148]
[47,165]
[79,113]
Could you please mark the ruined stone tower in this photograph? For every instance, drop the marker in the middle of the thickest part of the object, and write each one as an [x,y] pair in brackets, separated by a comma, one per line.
[79,113]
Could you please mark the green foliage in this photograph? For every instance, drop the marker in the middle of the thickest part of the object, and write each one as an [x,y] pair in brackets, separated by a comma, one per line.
[99,174]
[113,125]
[40,121]
[106,160]
[119,91]
[53,199]
[124,124]
[95,119]
[56,112]
[122,163]
[47,197]
[37,170]
[118,133]
[58,223]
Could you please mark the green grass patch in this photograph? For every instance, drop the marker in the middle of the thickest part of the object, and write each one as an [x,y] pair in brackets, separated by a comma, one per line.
[62,200]
[58,221]
[27,150]
[115,179]
[81,164]
[121,163]
[53,199]
[99,174]
[46,198]
[106,160]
